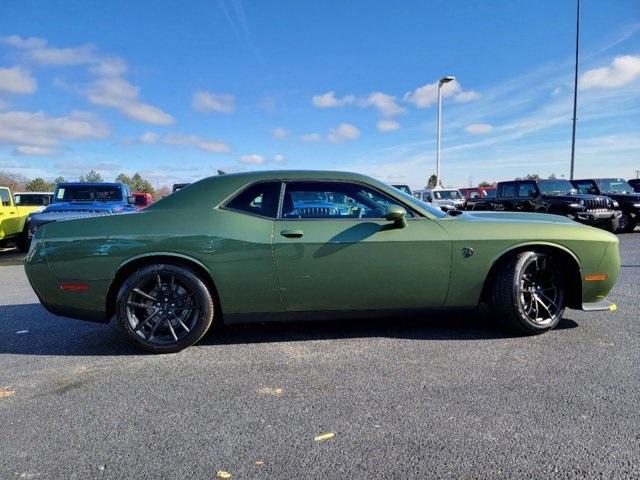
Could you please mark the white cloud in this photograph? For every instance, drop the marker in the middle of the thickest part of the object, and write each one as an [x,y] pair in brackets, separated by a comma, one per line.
[385,104]
[110,89]
[27,130]
[37,49]
[280,133]
[329,100]
[478,128]
[29,150]
[206,145]
[278,158]
[64,56]
[311,137]
[110,67]
[623,70]
[116,92]
[387,125]
[25,43]
[253,159]
[204,101]
[17,80]
[344,131]
[3,105]
[149,137]
[427,95]
[466,96]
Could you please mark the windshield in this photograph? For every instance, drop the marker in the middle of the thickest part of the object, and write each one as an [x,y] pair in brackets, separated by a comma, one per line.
[614,185]
[490,193]
[556,187]
[447,195]
[88,193]
[403,188]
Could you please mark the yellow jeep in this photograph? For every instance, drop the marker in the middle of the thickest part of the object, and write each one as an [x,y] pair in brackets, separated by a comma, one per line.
[13,221]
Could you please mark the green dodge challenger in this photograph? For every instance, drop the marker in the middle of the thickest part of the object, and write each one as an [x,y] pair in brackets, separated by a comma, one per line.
[312,244]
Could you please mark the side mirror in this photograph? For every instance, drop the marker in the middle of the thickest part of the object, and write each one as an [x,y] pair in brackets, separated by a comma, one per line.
[397,215]
[131,200]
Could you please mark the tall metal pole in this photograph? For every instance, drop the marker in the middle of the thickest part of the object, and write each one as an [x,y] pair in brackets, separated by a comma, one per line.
[438,135]
[575,95]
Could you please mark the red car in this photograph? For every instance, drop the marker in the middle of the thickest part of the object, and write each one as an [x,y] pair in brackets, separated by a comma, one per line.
[142,200]
[478,192]
[477,196]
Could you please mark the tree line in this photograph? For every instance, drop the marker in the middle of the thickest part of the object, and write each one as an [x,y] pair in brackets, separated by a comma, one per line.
[137,183]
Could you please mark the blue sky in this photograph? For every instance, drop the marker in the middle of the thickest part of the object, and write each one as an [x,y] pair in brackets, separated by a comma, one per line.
[179,90]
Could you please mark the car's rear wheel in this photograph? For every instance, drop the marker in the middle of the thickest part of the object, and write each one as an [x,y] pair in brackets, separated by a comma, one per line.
[164,308]
[529,292]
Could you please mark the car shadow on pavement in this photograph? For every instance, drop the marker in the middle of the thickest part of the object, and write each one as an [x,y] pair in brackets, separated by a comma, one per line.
[30,330]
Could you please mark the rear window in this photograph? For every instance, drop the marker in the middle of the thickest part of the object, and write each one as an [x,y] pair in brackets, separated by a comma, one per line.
[259,199]
[81,193]
[31,200]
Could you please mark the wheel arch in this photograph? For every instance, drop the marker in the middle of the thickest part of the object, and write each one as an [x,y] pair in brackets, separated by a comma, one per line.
[135,263]
[571,265]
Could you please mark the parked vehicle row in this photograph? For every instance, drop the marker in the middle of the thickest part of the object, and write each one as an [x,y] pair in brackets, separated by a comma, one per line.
[608,203]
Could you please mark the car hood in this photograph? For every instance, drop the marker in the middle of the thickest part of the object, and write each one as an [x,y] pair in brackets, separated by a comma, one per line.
[624,197]
[516,217]
[99,207]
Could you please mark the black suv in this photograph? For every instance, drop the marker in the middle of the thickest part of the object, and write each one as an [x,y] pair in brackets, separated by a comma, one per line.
[620,192]
[558,197]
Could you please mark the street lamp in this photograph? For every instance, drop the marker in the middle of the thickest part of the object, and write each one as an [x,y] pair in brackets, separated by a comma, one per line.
[442,81]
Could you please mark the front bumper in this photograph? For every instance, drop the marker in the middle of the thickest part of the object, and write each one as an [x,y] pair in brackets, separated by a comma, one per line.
[598,216]
[599,306]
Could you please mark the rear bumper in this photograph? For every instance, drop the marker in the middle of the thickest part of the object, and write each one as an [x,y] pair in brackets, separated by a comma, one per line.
[600,306]
[77,313]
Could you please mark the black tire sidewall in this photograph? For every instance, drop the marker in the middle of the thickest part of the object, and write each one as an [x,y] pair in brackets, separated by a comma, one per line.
[204,297]
[507,292]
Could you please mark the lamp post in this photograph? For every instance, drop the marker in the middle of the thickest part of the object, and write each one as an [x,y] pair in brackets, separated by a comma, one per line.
[442,81]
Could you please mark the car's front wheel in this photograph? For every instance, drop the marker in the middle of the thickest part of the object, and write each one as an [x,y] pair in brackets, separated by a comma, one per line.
[164,308]
[626,224]
[529,292]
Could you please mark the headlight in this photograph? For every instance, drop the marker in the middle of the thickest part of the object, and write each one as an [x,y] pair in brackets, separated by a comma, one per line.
[615,204]
[576,205]
[636,205]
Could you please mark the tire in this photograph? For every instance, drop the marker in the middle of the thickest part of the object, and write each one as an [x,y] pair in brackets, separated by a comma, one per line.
[164,308]
[529,293]
[23,242]
[626,224]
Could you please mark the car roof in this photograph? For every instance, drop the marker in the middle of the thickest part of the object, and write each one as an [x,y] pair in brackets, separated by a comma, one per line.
[91,184]
[33,193]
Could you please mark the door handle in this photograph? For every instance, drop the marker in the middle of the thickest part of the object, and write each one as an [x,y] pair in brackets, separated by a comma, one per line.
[292,233]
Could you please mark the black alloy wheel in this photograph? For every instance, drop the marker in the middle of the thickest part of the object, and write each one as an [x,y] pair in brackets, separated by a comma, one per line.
[164,308]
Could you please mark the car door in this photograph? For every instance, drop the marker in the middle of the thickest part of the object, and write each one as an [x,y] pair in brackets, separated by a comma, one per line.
[527,194]
[9,220]
[334,251]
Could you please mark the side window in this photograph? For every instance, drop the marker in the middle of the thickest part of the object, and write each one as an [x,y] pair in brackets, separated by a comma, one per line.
[259,199]
[526,190]
[5,198]
[584,187]
[334,200]
[508,190]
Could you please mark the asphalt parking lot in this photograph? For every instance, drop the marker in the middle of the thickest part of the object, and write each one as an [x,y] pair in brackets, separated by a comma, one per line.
[451,396]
